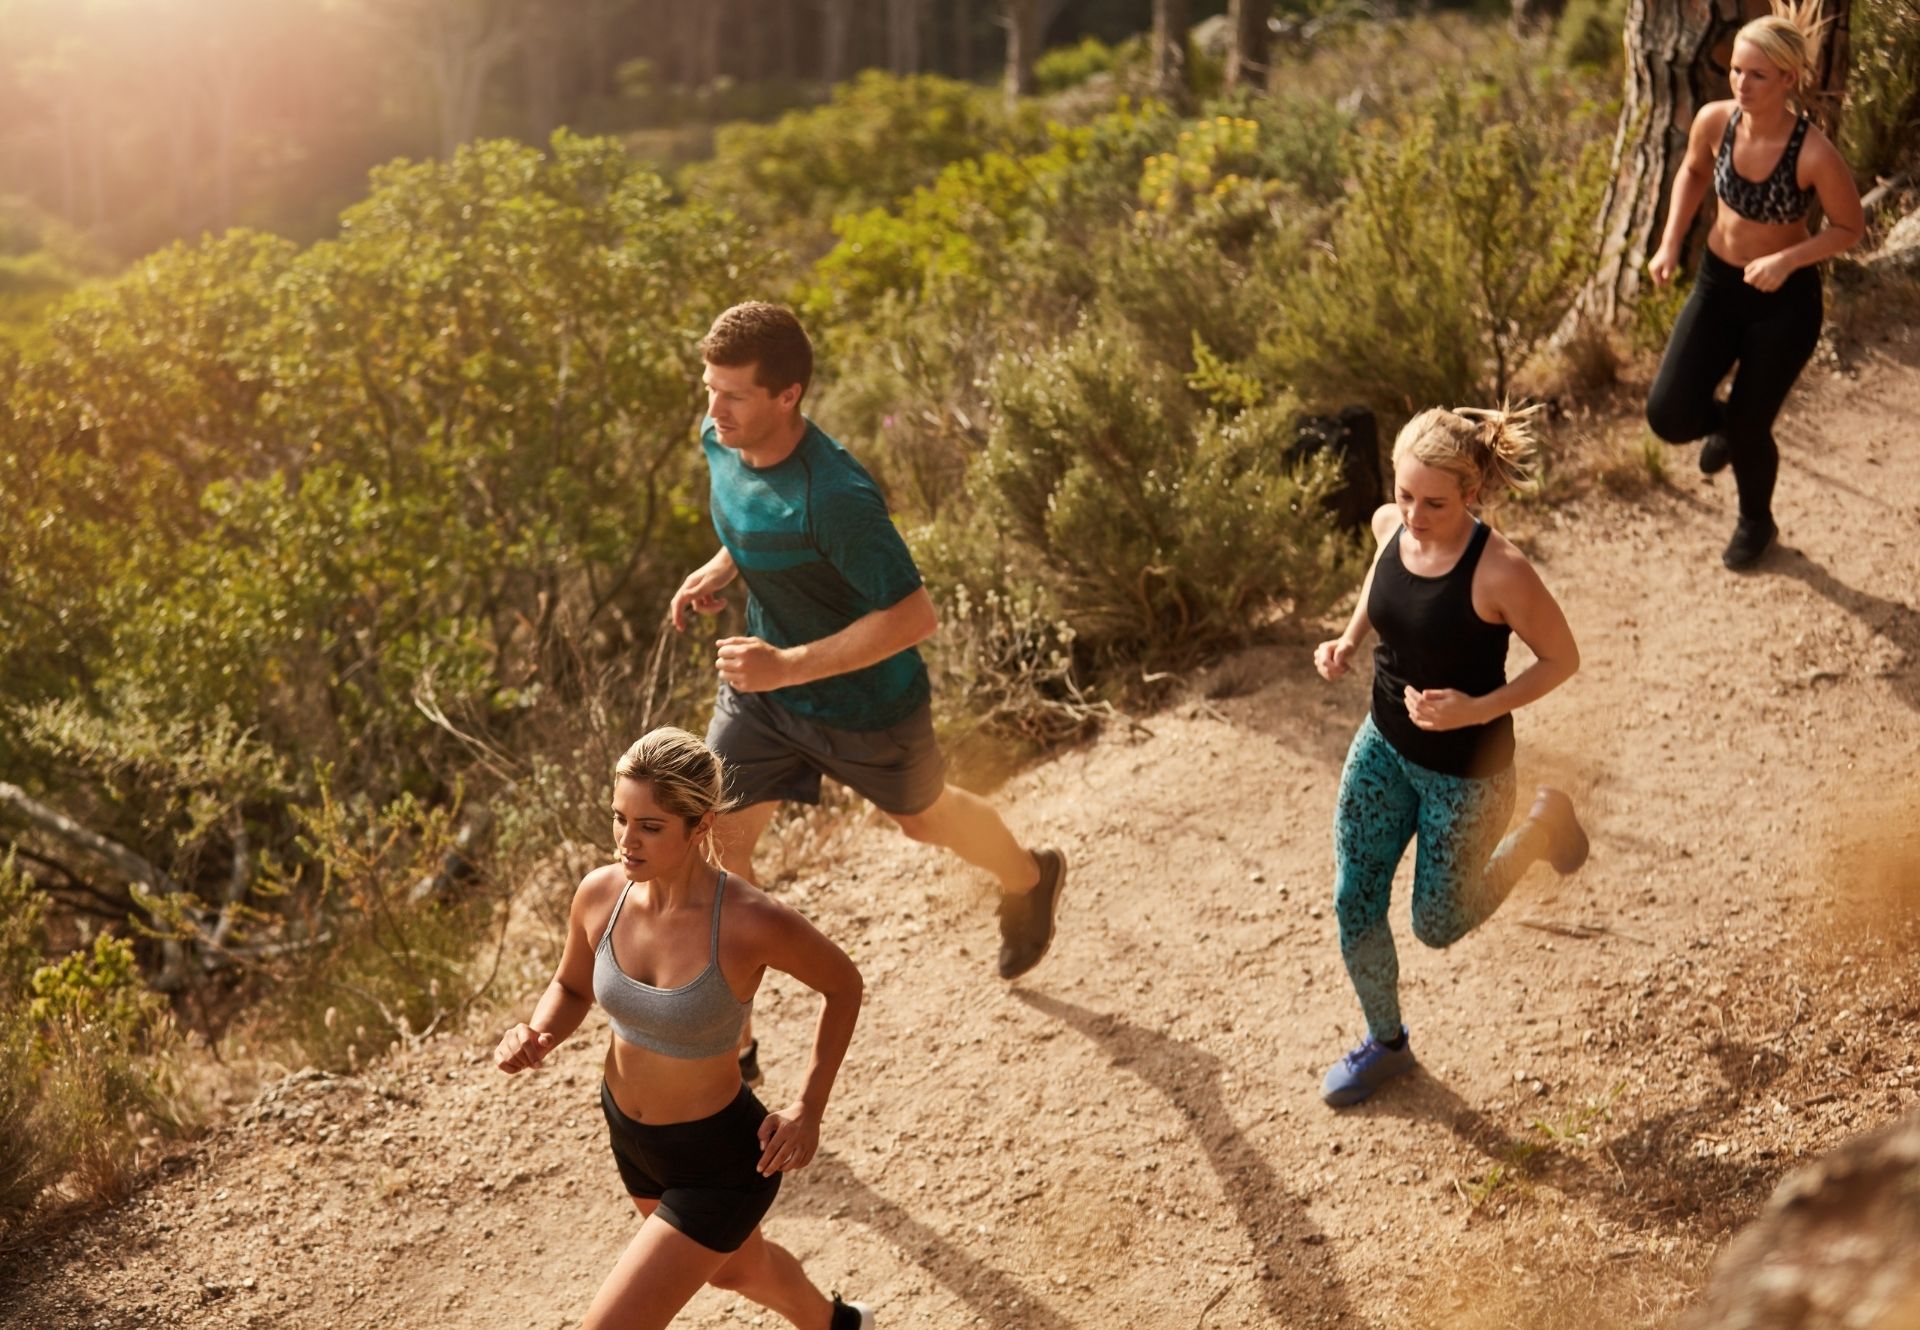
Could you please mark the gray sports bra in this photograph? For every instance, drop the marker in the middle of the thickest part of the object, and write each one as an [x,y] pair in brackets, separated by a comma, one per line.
[696,1020]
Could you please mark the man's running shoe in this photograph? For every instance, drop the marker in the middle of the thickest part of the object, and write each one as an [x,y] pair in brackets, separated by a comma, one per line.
[750,1062]
[1027,917]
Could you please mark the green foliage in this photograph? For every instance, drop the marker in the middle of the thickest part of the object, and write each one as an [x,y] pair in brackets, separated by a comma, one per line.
[1881,120]
[1065,67]
[879,138]
[379,962]
[1160,531]
[97,997]
[1589,34]
[1462,244]
[86,1061]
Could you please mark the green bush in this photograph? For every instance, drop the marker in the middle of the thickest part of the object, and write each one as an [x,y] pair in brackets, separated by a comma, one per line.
[1881,120]
[879,138]
[87,1062]
[1590,35]
[1065,67]
[1157,530]
[1463,242]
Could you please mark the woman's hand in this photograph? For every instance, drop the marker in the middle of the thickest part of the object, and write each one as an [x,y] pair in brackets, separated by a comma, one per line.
[521,1048]
[1664,263]
[1334,658]
[1768,273]
[1441,708]
[788,1139]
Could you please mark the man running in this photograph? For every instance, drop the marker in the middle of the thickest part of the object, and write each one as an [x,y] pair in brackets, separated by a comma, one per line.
[827,680]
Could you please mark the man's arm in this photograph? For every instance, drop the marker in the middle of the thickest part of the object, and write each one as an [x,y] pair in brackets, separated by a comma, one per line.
[750,665]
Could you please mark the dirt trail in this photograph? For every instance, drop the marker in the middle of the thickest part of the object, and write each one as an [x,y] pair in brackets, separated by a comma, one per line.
[1615,1068]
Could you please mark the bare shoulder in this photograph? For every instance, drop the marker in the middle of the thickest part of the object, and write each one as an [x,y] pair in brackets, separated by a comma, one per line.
[593,899]
[1386,520]
[753,912]
[1504,566]
[1817,151]
[1712,118]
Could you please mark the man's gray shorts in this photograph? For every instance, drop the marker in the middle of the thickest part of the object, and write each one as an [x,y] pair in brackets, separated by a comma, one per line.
[773,754]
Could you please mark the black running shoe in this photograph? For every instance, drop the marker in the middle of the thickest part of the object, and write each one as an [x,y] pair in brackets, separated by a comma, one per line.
[1750,541]
[1566,839]
[750,1062]
[1026,917]
[1715,453]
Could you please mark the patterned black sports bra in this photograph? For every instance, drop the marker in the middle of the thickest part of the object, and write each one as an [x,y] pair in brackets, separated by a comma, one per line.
[1778,200]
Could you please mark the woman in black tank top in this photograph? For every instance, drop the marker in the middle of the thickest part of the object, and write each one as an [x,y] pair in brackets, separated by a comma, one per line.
[1434,758]
[1756,299]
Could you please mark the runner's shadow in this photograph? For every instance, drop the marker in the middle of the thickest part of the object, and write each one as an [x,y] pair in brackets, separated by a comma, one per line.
[1189,1079]
[833,1188]
[1899,623]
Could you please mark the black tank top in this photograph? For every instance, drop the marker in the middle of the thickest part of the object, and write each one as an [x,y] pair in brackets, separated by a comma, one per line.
[1431,638]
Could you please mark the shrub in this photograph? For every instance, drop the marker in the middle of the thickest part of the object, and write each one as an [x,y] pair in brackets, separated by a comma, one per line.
[1881,119]
[1157,530]
[869,147]
[1065,67]
[1457,253]
[86,1062]
[1590,34]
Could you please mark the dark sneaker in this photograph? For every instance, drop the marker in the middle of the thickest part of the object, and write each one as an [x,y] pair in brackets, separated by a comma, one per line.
[1566,839]
[1365,1070]
[850,1315]
[750,1062]
[1715,453]
[1750,541]
[1026,917]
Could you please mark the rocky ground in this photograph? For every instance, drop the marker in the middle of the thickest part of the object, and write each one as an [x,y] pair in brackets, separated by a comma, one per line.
[1615,1069]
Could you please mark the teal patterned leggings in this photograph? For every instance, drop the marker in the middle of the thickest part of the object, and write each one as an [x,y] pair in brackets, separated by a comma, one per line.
[1460,876]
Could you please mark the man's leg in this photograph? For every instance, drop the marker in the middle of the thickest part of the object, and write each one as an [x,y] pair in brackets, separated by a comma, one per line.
[737,834]
[968,825]
[1030,881]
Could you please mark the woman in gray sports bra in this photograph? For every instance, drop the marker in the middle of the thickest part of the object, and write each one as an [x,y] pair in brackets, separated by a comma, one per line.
[673,949]
[1756,298]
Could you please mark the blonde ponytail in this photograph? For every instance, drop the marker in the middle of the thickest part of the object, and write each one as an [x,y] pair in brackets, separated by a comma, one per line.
[1491,450]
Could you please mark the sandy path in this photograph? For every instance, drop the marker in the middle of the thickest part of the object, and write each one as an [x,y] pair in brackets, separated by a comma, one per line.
[1133,1135]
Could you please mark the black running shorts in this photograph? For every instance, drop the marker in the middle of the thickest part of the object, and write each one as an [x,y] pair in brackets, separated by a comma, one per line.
[773,754]
[704,1173]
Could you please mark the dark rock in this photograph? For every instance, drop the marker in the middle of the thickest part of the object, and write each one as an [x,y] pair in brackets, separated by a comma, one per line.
[1353,437]
[1838,1244]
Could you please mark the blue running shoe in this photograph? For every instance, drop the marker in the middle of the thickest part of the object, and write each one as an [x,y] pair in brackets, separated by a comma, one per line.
[1365,1070]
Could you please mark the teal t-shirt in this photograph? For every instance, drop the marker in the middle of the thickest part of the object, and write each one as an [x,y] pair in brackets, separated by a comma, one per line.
[817,550]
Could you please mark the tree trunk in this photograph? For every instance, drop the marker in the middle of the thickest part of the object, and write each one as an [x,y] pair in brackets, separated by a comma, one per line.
[836,26]
[1023,39]
[903,36]
[1247,61]
[962,62]
[1172,20]
[1677,58]
[541,53]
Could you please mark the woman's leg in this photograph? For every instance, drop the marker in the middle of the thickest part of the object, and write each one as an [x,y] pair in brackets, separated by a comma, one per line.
[1700,351]
[1460,877]
[1373,820]
[769,1274]
[660,1270]
[1773,349]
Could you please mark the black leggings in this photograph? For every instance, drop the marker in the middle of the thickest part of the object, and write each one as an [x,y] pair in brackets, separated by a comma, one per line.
[1772,335]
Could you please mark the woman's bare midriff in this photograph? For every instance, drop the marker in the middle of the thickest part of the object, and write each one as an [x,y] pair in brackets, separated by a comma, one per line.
[653,1088]
[1739,241]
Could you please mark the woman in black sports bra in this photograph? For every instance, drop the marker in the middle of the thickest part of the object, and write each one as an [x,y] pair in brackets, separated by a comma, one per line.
[1756,299]
[673,949]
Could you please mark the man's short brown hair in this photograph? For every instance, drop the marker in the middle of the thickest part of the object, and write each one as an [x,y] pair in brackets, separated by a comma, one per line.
[766,336]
